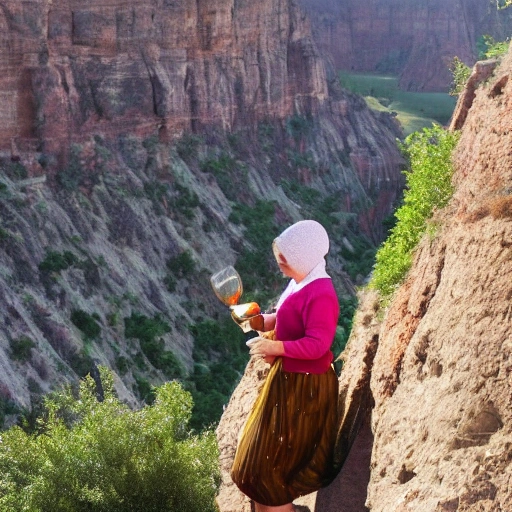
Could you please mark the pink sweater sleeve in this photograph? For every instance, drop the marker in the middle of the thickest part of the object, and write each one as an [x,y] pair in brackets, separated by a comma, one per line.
[320,316]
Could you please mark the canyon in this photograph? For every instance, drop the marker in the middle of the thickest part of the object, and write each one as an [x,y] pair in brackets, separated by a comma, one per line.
[431,369]
[139,143]
[416,41]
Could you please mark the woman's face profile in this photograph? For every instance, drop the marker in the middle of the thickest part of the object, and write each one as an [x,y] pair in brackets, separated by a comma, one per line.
[282,263]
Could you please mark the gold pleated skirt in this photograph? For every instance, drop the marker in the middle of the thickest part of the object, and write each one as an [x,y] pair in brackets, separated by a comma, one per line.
[286,449]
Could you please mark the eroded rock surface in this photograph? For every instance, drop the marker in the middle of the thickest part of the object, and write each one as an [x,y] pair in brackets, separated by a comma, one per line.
[438,361]
[414,40]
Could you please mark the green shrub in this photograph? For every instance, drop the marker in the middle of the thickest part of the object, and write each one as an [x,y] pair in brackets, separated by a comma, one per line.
[7,407]
[21,348]
[109,458]
[182,265]
[81,363]
[185,201]
[429,187]
[87,323]
[122,365]
[147,331]
[15,170]
[188,146]
[55,261]
[71,177]
[256,265]
[144,389]
[229,174]
[298,126]
[488,48]
[460,74]
[220,355]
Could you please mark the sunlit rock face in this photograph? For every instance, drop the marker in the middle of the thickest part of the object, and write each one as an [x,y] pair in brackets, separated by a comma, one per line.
[71,69]
[433,370]
[108,112]
[71,66]
[415,40]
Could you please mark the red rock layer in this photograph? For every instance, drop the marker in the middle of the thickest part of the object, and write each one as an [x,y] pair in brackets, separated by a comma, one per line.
[416,40]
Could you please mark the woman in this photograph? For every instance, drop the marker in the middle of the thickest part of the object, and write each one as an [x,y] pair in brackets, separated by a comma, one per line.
[286,448]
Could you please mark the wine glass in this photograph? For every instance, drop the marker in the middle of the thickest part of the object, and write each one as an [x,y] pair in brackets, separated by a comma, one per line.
[227,285]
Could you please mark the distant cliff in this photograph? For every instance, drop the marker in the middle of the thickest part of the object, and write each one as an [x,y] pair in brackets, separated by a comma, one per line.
[415,40]
[143,146]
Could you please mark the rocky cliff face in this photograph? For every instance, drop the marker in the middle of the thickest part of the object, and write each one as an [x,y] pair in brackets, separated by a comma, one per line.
[416,40]
[435,368]
[133,134]
[72,67]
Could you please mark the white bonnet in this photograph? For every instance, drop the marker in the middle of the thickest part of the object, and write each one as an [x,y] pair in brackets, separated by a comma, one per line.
[304,245]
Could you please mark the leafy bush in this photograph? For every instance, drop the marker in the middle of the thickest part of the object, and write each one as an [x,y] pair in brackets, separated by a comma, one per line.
[220,355]
[460,74]
[7,407]
[182,265]
[101,456]
[257,266]
[488,48]
[81,363]
[147,331]
[230,175]
[87,323]
[71,177]
[188,146]
[21,348]
[428,187]
[55,261]
[185,201]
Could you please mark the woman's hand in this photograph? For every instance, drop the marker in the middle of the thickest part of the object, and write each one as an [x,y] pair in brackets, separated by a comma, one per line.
[266,349]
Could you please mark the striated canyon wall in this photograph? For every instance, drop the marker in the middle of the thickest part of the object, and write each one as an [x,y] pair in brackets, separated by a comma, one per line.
[71,67]
[433,369]
[416,40]
[131,134]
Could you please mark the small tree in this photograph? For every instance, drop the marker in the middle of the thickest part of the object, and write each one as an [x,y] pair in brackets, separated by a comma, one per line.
[101,456]
[460,74]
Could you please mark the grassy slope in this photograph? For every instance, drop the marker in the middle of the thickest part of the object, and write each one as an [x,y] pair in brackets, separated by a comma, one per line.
[415,110]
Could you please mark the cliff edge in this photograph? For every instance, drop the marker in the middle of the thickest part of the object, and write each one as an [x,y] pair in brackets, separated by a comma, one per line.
[435,368]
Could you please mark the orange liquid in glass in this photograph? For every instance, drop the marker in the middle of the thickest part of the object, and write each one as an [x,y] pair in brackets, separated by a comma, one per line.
[233,299]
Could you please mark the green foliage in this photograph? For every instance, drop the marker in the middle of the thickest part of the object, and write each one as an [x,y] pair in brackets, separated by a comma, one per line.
[182,265]
[488,48]
[185,201]
[503,4]
[298,126]
[429,187]
[220,356]
[460,74]
[348,306]
[81,363]
[7,407]
[414,110]
[147,331]
[122,365]
[55,261]
[228,172]
[87,323]
[360,258]
[155,190]
[315,206]
[14,170]
[21,348]
[101,456]
[188,146]
[256,265]
[71,177]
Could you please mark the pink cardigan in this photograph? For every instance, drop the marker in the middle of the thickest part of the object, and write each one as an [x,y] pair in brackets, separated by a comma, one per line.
[306,324]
